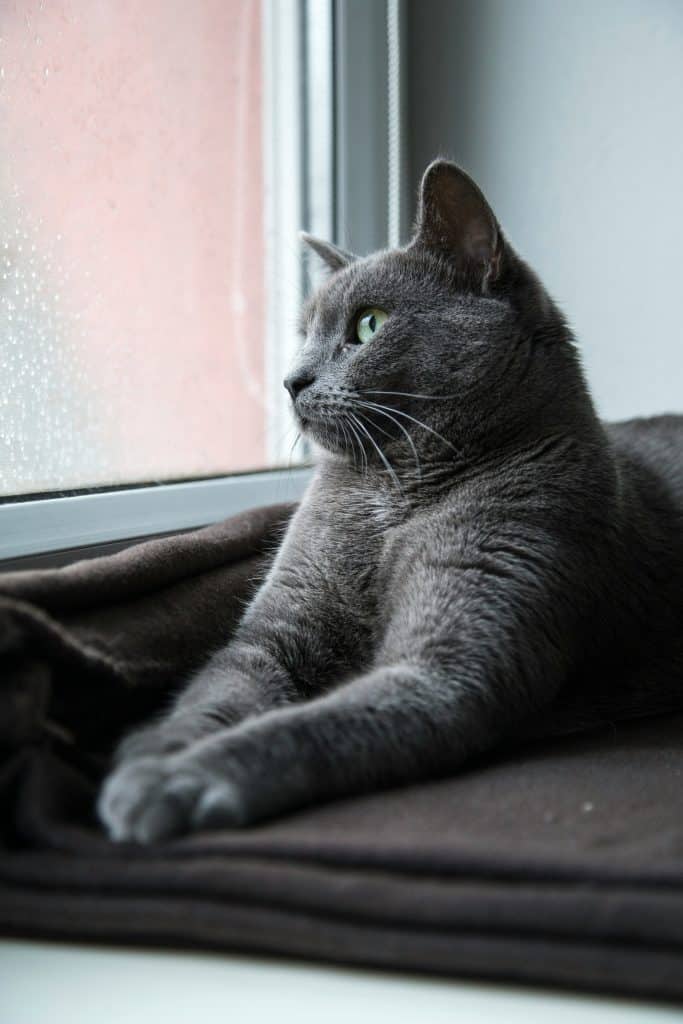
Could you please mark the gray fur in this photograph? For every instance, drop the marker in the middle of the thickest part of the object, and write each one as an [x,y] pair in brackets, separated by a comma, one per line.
[480,561]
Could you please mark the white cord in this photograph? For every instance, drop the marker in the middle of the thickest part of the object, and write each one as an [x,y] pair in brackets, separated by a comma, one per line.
[394,141]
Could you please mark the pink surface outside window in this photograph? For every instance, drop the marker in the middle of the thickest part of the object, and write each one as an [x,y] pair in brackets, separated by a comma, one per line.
[132,297]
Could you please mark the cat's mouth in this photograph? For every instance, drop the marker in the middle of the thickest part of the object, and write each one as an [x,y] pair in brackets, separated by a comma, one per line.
[312,419]
[323,430]
[318,429]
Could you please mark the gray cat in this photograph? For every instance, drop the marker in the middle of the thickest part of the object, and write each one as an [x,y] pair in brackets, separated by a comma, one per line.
[477,559]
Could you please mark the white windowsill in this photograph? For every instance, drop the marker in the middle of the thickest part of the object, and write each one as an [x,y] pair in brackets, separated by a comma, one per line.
[55,524]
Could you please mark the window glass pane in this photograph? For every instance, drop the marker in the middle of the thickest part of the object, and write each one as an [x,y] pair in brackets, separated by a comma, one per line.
[133,301]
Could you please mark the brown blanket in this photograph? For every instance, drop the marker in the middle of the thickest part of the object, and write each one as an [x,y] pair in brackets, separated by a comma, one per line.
[561,862]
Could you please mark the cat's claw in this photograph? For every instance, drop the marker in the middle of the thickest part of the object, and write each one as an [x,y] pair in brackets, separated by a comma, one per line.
[151,799]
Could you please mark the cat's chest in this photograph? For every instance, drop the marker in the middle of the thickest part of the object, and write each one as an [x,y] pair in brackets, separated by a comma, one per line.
[355,544]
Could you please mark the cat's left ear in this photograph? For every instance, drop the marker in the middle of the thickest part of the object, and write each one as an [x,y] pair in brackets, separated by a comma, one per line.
[334,257]
[455,220]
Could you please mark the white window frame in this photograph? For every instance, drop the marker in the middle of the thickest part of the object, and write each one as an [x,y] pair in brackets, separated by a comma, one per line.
[327,171]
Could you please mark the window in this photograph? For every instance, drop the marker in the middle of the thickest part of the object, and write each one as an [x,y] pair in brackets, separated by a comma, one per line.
[134,299]
[158,162]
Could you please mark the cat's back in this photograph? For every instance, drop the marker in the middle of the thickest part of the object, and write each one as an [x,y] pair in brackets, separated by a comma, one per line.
[649,512]
[651,448]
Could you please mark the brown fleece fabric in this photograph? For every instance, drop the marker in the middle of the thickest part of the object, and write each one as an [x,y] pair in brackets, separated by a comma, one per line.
[557,863]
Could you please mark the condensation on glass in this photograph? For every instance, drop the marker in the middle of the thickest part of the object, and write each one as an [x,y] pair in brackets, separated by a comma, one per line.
[132,299]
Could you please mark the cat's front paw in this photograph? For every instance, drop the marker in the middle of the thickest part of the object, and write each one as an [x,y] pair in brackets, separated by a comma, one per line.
[154,798]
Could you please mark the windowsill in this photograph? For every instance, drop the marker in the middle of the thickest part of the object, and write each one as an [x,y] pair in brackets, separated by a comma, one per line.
[53,531]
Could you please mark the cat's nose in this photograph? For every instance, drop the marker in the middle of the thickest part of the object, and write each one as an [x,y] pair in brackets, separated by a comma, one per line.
[296,382]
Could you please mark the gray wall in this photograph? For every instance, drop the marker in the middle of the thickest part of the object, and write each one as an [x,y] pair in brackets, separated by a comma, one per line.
[570,117]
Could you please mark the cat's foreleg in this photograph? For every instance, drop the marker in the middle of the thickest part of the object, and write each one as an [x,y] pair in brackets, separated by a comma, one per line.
[238,681]
[479,663]
[260,668]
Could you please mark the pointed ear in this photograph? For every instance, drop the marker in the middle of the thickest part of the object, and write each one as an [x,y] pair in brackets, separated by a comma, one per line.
[455,220]
[332,255]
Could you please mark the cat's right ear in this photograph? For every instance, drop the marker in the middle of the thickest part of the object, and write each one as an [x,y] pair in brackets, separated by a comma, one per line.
[331,255]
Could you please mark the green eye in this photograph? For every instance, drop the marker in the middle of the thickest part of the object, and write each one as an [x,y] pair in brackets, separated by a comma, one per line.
[369,322]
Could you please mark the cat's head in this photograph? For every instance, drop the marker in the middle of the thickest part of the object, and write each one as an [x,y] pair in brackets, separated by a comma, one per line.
[410,351]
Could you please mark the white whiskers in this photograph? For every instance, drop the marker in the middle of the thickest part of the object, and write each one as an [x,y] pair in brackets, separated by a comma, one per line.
[390,469]
[413,419]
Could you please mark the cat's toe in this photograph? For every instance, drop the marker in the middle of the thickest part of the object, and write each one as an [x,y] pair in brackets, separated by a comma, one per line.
[219,806]
[128,796]
[153,799]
